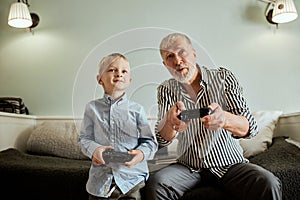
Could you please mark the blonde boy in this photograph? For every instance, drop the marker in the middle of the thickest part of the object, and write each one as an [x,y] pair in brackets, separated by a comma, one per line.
[115,122]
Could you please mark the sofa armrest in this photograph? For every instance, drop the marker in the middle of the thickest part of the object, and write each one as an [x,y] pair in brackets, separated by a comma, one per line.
[288,125]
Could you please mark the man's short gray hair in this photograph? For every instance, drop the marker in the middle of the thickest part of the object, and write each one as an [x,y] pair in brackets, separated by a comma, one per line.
[170,39]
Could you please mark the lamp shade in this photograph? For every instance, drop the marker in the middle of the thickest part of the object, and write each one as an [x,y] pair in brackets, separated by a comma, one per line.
[19,16]
[284,11]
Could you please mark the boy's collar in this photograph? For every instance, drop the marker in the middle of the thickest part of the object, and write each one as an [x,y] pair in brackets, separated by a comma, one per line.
[110,100]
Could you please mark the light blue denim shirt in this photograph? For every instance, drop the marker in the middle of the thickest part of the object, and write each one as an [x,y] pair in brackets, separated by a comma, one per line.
[122,124]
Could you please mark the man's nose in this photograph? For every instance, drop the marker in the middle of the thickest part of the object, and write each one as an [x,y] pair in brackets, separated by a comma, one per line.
[177,60]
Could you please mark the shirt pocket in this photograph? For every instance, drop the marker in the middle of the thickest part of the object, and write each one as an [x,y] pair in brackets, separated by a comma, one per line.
[129,128]
[127,135]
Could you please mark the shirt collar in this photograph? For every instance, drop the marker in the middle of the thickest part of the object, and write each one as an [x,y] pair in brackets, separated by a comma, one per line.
[110,100]
[204,75]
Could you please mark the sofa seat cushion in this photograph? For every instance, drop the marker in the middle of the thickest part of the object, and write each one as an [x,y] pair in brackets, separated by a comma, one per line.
[283,159]
[38,177]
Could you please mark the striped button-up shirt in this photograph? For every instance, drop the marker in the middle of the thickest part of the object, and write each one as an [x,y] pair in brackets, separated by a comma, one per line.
[199,148]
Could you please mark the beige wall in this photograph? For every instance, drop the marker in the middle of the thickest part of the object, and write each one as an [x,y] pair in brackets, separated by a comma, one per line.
[60,58]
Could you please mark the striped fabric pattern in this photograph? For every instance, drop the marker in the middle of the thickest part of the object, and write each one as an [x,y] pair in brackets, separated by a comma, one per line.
[13,105]
[198,147]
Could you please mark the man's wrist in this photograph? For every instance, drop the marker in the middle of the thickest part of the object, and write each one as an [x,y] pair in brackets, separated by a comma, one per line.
[168,133]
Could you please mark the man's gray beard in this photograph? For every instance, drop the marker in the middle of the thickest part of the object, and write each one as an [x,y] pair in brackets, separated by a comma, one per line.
[188,77]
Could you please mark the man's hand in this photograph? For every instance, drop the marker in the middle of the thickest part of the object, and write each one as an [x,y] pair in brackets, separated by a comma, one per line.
[97,158]
[172,119]
[215,120]
[236,124]
[139,156]
[170,124]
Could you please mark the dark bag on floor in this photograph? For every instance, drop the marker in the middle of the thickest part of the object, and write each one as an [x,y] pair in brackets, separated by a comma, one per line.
[13,105]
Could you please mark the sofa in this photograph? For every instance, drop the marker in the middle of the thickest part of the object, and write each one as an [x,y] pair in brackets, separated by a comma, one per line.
[41,159]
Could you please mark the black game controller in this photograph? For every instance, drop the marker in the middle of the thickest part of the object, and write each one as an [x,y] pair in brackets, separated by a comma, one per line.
[186,115]
[111,155]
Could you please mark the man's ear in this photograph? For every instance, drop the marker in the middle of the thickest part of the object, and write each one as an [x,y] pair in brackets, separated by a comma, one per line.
[195,53]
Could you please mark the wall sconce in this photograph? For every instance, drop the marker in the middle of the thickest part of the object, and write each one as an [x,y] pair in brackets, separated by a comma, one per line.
[280,11]
[20,17]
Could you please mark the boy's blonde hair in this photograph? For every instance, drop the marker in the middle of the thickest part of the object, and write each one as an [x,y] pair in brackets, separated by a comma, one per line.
[108,60]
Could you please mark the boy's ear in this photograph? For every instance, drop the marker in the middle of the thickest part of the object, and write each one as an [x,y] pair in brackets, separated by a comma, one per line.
[99,79]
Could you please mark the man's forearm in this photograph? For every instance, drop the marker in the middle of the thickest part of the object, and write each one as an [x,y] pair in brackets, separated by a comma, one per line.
[237,125]
[166,130]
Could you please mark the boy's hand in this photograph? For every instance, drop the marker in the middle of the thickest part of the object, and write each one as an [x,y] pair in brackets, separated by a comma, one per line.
[139,156]
[97,158]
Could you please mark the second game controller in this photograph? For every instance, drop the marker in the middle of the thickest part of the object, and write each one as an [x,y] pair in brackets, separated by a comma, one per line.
[111,155]
[186,115]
